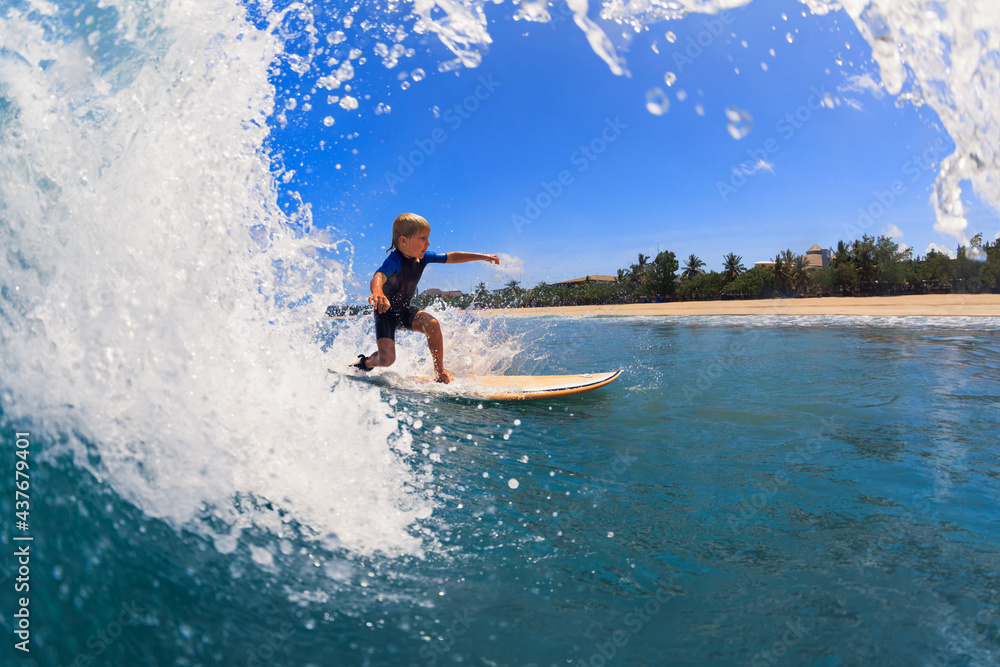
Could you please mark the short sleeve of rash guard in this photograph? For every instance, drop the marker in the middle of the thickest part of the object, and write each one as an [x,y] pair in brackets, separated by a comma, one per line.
[390,266]
[435,258]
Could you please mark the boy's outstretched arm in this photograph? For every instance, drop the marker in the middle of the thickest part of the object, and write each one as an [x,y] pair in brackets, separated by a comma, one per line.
[378,298]
[457,257]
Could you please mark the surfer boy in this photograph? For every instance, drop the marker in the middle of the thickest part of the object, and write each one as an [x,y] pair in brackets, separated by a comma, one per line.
[394,285]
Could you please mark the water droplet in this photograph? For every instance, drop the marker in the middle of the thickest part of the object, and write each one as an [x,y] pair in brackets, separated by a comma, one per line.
[657,102]
[682,95]
[328,121]
[789,37]
[784,17]
[225,544]
[840,60]
[291,103]
[763,66]
[348,102]
[976,253]
[740,122]
[700,110]
[418,74]
[513,483]
[404,85]
[670,78]
[671,37]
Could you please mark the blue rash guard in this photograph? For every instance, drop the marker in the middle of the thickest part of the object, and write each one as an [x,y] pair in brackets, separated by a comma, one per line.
[402,274]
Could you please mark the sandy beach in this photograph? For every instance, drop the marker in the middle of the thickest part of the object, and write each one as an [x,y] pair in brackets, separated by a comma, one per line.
[923,305]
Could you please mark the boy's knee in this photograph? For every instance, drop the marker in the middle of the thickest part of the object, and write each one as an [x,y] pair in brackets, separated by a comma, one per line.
[424,322]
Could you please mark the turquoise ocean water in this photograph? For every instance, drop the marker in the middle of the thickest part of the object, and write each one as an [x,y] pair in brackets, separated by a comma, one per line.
[752,490]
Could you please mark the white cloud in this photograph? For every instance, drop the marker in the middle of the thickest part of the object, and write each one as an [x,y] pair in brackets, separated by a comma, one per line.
[893,232]
[941,249]
[509,265]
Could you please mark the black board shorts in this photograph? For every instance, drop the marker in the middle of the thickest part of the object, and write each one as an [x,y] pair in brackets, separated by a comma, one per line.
[386,323]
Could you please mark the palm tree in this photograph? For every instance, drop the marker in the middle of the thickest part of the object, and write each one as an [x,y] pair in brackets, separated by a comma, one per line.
[512,293]
[800,273]
[780,273]
[693,267]
[733,267]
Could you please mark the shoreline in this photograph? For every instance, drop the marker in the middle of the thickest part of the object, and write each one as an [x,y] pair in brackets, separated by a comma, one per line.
[914,305]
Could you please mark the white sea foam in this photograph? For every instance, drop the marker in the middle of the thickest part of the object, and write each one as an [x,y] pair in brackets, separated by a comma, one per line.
[149,281]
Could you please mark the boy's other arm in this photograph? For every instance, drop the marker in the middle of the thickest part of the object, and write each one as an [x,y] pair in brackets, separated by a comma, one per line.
[457,257]
[378,298]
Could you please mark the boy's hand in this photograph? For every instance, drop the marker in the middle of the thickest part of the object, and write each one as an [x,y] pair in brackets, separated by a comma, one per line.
[380,302]
[492,259]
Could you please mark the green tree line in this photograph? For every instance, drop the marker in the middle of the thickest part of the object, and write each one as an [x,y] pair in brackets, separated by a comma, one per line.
[868,266]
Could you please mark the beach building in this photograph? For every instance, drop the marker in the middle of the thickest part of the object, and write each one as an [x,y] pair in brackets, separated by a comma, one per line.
[586,280]
[819,258]
[435,292]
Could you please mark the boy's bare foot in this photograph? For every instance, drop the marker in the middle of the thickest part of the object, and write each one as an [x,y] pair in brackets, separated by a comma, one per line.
[444,376]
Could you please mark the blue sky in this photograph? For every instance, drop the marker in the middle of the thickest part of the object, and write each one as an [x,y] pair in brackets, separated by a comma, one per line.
[543,155]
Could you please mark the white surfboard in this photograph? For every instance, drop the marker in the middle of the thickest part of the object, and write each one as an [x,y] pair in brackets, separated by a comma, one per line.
[490,387]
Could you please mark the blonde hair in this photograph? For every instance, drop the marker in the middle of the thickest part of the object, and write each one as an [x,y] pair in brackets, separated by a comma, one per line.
[407,225]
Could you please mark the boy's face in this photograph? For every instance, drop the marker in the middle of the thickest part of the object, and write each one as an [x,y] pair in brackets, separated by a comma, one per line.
[415,246]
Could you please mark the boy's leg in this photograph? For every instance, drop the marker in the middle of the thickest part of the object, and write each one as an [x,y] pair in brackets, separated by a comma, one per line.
[385,356]
[385,337]
[425,323]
